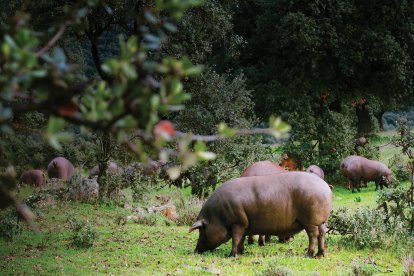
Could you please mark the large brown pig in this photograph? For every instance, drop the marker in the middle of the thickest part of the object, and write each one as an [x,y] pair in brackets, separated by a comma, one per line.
[358,168]
[282,205]
[263,168]
[33,177]
[60,167]
[316,170]
[112,168]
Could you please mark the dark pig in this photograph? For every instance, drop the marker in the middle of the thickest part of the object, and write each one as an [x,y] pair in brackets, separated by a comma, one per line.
[358,168]
[282,205]
[263,168]
[33,177]
[61,168]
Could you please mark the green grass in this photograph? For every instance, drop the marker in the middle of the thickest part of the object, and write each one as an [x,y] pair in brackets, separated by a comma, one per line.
[139,249]
[134,249]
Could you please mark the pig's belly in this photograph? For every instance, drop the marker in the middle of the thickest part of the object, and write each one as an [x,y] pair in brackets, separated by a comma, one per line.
[273,223]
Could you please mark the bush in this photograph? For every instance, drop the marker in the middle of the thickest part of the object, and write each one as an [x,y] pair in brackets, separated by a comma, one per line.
[274,270]
[9,224]
[188,212]
[408,265]
[365,227]
[362,267]
[399,169]
[83,235]
[153,219]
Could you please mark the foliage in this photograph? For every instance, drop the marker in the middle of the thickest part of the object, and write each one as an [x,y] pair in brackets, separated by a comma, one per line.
[399,168]
[365,227]
[274,270]
[153,219]
[9,224]
[362,268]
[83,233]
[408,265]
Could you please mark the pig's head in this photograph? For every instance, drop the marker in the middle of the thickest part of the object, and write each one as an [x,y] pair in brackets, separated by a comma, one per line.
[211,235]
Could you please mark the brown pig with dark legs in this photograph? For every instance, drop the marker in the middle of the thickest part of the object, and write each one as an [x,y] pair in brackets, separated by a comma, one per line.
[61,168]
[33,177]
[358,168]
[282,205]
[263,168]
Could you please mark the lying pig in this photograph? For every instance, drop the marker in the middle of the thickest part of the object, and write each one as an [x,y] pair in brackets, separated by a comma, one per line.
[263,168]
[282,205]
[61,168]
[33,177]
[358,168]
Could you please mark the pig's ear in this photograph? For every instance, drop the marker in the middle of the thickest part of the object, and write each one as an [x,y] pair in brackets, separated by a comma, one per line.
[198,224]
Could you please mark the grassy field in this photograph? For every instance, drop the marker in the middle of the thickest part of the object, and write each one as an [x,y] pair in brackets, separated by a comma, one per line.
[136,249]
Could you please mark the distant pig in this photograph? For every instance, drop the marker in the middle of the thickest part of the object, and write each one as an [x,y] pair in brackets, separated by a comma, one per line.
[112,168]
[316,170]
[358,168]
[33,177]
[61,168]
[282,205]
[263,168]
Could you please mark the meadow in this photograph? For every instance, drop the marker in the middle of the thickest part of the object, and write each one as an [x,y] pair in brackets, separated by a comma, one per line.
[161,248]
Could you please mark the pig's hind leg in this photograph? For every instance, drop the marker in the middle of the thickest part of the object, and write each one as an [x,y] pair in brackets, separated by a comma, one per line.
[237,238]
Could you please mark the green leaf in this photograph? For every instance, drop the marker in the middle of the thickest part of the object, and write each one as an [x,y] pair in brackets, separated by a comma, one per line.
[55,124]
[206,155]
[226,131]
[200,146]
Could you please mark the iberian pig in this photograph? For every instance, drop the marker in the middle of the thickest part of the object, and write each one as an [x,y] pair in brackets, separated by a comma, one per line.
[33,177]
[357,168]
[316,170]
[282,205]
[263,168]
[61,168]
[112,168]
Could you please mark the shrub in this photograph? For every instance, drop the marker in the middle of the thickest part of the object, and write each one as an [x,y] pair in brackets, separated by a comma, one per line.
[9,224]
[364,227]
[408,265]
[188,212]
[274,270]
[83,235]
[399,168]
[362,267]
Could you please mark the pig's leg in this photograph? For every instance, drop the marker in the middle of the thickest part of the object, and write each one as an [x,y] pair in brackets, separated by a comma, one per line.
[321,241]
[313,234]
[237,237]
[261,240]
[250,239]
[240,247]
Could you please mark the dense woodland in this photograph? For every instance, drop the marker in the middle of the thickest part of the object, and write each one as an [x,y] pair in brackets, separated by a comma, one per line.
[183,82]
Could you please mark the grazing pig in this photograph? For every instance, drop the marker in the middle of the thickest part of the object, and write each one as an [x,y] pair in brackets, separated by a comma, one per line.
[316,170]
[358,168]
[112,168]
[263,168]
[33,177]
[282,205]
[61,168]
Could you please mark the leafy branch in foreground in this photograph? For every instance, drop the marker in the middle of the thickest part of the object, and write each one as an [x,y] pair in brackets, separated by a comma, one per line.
[136,89]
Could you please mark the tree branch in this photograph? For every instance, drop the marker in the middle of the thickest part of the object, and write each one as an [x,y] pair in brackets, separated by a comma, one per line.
[53,40]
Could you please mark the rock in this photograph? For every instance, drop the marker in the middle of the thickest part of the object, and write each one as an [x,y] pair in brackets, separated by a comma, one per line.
[83,190]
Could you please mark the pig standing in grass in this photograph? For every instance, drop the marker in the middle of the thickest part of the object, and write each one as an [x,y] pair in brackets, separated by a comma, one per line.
[33,177]
[358,168]
[282,205]
[61,168]
[263,168]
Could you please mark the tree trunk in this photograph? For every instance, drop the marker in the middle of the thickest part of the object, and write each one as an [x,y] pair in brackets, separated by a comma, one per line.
[103,159]
[378,116]
[364,120]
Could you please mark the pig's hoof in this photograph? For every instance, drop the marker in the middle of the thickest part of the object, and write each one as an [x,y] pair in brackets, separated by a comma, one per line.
[320,254]
[310,254]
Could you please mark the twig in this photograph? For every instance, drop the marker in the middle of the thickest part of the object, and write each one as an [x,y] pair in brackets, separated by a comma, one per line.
[53,41]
